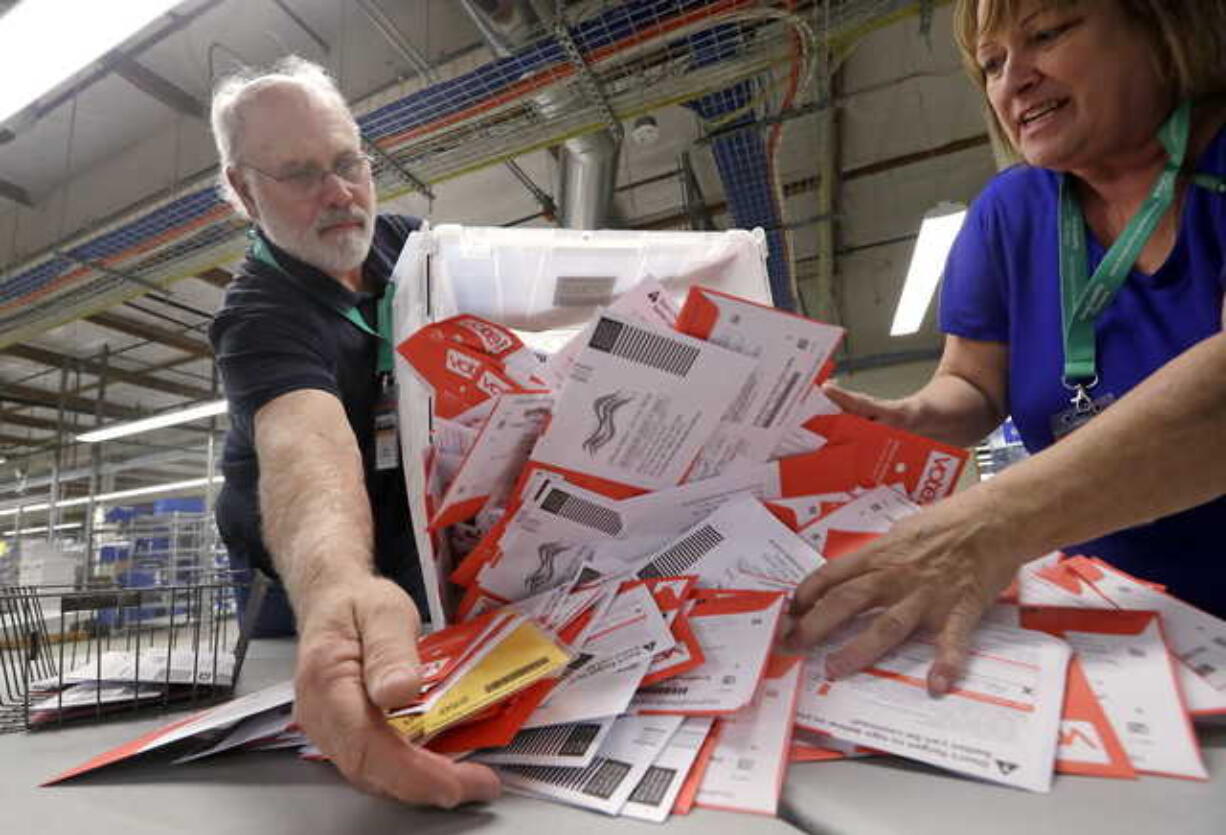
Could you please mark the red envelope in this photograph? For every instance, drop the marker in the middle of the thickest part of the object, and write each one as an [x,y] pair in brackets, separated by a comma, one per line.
[862,453]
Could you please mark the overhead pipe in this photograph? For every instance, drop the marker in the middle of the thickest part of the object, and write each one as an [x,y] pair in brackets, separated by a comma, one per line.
[587,165]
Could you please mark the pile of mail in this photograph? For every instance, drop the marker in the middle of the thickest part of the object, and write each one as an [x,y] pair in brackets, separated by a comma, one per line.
[101,681]
[629,517]
[590,461]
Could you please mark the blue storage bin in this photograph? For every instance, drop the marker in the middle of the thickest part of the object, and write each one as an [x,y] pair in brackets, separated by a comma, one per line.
[181,505]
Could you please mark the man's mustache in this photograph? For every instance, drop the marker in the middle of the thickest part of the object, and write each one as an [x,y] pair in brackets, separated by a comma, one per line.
[341,216]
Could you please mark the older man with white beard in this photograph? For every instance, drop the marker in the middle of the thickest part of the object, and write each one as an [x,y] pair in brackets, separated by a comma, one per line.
[314,492]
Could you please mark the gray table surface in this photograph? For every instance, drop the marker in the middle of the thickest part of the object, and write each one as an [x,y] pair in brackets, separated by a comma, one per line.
[266,793]
[272,793]
[876,796]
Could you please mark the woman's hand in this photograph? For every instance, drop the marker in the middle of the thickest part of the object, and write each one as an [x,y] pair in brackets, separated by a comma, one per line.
[896,413]
[940,569]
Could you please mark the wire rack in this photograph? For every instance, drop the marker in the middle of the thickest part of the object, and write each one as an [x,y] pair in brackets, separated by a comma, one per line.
[70,655]
[632,58]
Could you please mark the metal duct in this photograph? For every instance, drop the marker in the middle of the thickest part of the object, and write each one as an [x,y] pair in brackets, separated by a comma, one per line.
[587,165]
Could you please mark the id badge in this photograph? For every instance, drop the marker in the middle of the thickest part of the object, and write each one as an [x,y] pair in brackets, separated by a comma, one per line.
[387,436]
[1069,420]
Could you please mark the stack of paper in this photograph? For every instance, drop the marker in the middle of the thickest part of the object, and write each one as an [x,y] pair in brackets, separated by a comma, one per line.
[115,680]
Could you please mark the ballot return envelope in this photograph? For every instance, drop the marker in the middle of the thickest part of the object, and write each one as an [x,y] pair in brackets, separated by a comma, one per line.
[546,284]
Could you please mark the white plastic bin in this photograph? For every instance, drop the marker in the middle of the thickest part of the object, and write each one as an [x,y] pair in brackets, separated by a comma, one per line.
[545,283]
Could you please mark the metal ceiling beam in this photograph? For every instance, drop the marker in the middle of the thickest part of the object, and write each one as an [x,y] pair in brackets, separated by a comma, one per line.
[26,420]
[18,440]
[113,374]
[154,85]
[152,333]
[31,396]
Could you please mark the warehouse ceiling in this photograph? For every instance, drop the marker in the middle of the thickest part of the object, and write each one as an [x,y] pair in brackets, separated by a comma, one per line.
[129,134]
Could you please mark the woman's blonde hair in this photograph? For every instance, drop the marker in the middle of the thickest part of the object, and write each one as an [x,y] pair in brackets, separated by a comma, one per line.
[1188,38]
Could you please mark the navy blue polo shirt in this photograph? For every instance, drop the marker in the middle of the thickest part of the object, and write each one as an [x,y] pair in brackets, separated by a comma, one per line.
[277,333]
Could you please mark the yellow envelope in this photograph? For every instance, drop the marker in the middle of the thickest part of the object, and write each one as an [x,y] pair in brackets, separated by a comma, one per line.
[527,655]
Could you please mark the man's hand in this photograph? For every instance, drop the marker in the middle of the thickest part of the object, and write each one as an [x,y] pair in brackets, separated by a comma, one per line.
[937,569]
[357,657]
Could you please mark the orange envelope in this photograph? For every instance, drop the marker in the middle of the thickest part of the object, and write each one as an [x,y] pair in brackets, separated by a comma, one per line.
[862,453]
[467,360]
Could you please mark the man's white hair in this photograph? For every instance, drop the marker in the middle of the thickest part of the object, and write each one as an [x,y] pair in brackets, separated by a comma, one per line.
[235,92]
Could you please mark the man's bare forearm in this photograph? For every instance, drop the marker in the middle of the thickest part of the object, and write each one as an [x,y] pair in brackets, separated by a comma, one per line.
[316,517]
[1159,450]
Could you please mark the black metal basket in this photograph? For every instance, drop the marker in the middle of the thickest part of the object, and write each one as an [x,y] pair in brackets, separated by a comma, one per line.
[69,655]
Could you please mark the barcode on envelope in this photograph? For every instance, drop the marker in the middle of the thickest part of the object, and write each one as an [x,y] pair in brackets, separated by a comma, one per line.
[589,514]
[600,779]
[517,673]
[644,347]
[665,690]
[557,740]
[680,557]
[654,786]
[780,400]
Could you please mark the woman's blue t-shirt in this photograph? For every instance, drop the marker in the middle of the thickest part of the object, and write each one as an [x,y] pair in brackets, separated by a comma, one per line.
[1002,284]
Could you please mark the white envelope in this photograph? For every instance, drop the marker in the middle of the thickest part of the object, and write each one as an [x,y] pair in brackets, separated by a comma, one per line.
[262,726]
[639,404]
[549,536]
[740,546]
[572,745]
[735,631]
[646,302]
[594,686]
[1134,680]
[221,716]
[655,519]
[158,666]
[493,461]
[89,694]
[1196,637]
[628,751]
[788,351]
[654,796]
[1000,722]
[798,440]
[633,620]
[747,767]
[873,512]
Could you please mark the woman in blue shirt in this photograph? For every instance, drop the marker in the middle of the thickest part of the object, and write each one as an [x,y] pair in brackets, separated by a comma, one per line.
[1085,290]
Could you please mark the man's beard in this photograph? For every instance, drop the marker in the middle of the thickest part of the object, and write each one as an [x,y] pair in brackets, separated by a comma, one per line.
[341,251]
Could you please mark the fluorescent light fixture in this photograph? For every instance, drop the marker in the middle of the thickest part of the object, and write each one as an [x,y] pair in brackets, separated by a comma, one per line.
[936,236]
[135,427]
[117,495]
[67,526]
[45,42]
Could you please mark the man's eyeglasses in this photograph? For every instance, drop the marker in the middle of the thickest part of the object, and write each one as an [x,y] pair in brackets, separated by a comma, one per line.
[308,181]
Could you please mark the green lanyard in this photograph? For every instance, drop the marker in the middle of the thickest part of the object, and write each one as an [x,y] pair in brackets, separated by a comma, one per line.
[261,252]
[1082,298]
